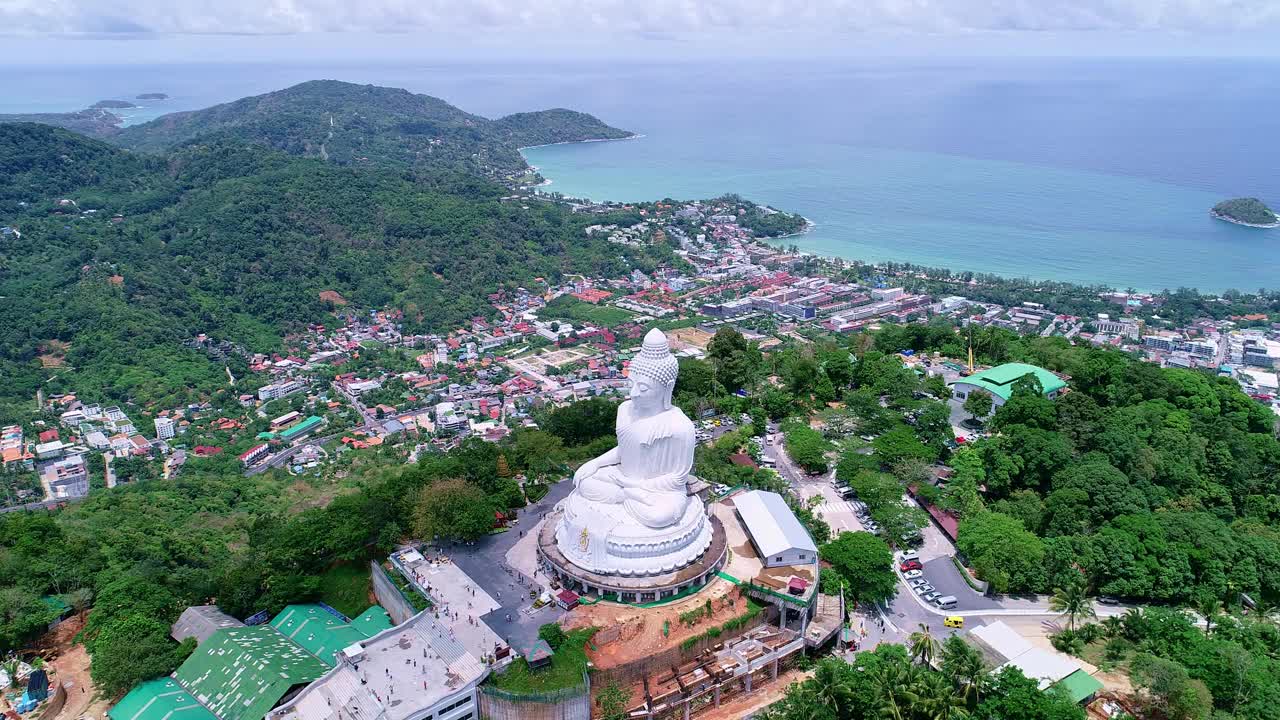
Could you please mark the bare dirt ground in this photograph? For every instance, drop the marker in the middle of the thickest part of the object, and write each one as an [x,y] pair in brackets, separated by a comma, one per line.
[54,354]
[757,699]
[642,636]
[70,666]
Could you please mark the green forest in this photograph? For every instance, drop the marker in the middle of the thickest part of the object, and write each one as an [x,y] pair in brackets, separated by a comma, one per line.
[1158,484]
[350,124]
[223,238]
[1246,210]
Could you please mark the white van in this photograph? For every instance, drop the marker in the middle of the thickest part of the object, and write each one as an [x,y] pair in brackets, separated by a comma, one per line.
[910,555]
[946,602]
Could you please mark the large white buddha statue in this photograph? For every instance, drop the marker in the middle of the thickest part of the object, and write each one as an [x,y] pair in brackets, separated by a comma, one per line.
[630,512]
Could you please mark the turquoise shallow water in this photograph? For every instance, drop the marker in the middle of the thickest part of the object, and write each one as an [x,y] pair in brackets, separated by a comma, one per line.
[949,211]
[1082,170]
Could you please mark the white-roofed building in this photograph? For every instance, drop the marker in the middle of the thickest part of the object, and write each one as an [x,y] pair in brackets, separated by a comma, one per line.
[775,531]
[1046,667]
[413,671]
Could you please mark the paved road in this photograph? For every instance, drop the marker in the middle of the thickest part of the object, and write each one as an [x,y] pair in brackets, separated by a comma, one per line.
[282,457]
[484,561]
[40,505]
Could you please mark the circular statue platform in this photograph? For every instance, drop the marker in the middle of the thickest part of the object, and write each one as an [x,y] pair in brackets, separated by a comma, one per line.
[631,588]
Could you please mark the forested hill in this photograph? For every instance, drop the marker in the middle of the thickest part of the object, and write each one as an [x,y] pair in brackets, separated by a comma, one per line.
[124,255]
[353,124]
[553,126]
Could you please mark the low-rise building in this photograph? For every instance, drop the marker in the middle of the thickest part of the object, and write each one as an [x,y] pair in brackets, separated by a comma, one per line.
[254,454]
[776,533]
[1000,381]
[278,390]
[67,478]
[302,429]
[286,420]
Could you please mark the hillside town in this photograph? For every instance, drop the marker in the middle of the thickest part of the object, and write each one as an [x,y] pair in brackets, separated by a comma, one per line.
[365,381]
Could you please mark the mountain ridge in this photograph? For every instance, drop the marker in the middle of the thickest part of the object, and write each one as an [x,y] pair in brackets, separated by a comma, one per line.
[354,124]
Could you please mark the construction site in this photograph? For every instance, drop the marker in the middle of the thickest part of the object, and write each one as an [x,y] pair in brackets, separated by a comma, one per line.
[717,674]
[693,654]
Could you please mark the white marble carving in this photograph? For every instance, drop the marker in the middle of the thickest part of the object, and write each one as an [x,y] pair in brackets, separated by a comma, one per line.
[630,512]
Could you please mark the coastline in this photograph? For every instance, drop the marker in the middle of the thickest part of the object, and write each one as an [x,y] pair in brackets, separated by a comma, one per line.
[809,225]
[1235,221]
[778,242]
[633,136]
[547,181]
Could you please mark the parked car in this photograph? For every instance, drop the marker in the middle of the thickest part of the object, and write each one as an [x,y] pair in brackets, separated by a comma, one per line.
[910,555]
[923,589]
[917,582]
[912,574]
[910,565]
[931,596]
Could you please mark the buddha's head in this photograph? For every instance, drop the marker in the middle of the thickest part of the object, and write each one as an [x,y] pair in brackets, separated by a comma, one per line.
[653,375]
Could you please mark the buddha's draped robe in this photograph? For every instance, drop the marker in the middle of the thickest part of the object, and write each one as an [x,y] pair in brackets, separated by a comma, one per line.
[655,457]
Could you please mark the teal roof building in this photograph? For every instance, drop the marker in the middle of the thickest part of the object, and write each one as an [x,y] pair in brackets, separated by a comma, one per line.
[1000,380]
[159,699]
[242,672]
[323,634]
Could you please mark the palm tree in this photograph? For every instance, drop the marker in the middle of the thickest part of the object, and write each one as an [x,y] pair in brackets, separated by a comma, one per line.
[1073,602]
[936,699]
[923,646]
[1209,608]
[1134,621]
[963,666]
[892,681]
[830,689]
[1113,627]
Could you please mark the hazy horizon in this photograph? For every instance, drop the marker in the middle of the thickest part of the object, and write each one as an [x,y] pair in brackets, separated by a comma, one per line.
[508,45]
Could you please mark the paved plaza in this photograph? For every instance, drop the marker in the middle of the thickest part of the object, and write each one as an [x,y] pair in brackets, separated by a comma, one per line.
[486,565]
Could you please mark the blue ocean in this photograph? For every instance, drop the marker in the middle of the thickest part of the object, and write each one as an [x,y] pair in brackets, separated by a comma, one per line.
[1092,171]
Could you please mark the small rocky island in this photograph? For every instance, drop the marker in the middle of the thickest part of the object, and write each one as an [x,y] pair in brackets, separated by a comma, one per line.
[1246,211]
[112,105]
[152,96]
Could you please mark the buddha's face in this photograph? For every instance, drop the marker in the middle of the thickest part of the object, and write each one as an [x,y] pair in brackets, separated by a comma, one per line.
[649,396]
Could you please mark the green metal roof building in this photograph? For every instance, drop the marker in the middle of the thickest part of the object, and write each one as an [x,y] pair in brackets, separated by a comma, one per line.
[373,621]
[302,428]
[999,381]
[241,673]
[322,633]
[159,699]
[1080,686]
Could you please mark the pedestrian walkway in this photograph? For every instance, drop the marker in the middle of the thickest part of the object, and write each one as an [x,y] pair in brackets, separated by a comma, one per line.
[834,507]
[460,605]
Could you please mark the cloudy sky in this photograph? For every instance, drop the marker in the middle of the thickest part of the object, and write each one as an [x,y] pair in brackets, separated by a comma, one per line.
[294,16]
[637,26]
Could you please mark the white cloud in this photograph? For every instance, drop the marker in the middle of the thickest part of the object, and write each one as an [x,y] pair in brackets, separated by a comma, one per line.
[658,16]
